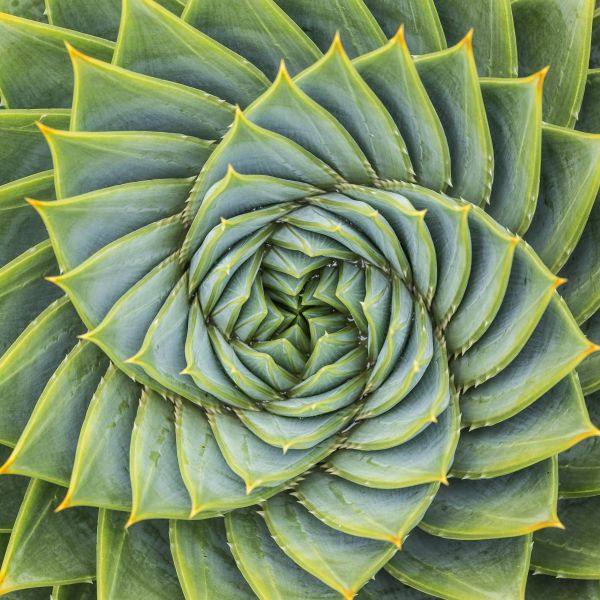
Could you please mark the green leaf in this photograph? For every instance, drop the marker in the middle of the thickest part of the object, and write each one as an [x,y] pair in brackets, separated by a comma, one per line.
[565,200]
[326,402]
[341,561]
[287,110]
[28,364]
[589,371]
[77,591]
[426,458]
[555,348]
[135,562]
[514,112]
[425,402]
[424,31]
[450,78]
[109,98]
[38,50]
[46,448]
[265,367]
[212,485]
[203,365]
[24,293]
[122,331]
[409,367]
[538,25]
[286,432]
[448,225]
[162,353]
[494,43]
[318,220]
[204,562]
[82,225]
[258,463]
[557,421]
[271,154]
[84,162]
[573,552]
[95,285]
[469,570]
[227,247]
[387,515]
[48,548]
[19,227]
[409,228]
[100,474]
[157,486]
[582,270]
[350,18]
[579,467]
[267,36]
[493,249]
[99,18]
[155,42]
[24,151]
[336,85]
[589,116]
[506,506]
[29,9]
[540,587]
[523,299]
[376,227]
[271,574]
[391,73]
[385,587]
[12,490]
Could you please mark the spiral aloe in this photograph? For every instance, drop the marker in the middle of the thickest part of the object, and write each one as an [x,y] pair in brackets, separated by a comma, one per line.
[299,300]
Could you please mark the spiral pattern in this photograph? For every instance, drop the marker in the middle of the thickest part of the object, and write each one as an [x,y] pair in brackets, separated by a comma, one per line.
[328,291]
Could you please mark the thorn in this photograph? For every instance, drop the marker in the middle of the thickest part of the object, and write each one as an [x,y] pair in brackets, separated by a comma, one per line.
[467,41]
[558,282]
[399,37]
[131,521]
[541,76]
[74,53]
[5,468]
[66,503]
[34,203]
[590,350]
[85,336]
[133,360]
[397,541]
[336,45]
[46,131]
[283,74]
[348,594]
[239,116]
[444,480]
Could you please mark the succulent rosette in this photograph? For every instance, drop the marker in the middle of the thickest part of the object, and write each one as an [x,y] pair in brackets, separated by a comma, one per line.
[300,299]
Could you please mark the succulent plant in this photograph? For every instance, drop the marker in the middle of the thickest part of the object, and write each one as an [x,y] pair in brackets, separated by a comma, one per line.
[299,299]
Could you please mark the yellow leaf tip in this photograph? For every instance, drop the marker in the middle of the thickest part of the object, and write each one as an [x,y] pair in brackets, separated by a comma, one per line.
[444,480]
[399,37]
[336,44]
[591,349]
[283,74]
[396,540]
[348,594]
[66,503]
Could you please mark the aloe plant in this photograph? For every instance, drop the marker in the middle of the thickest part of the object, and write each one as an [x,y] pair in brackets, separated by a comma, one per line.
[299,299]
